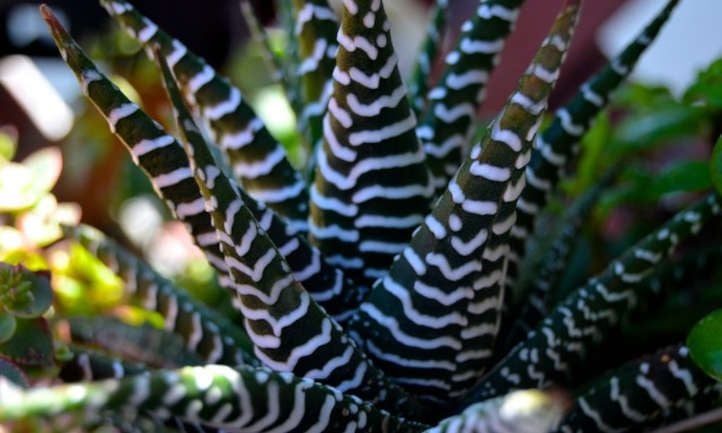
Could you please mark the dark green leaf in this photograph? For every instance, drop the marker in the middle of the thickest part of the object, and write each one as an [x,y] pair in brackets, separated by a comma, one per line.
[666,123]
[705,344]
[11,372]
[31,345]
[715,166]
[7,326]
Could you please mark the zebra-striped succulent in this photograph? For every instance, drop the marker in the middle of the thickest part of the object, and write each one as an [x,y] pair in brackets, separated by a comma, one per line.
[374,294]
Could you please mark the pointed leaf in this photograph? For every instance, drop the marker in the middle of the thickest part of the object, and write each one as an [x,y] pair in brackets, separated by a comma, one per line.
[143,343]
[257,159]
[573,329]
[557,144]
[315,29]
[371,186]
[216,396]
[326,284]
[145,139]
[204,331]
[640,393]
[432,321]
[446,127]
[430,47]
[290,332]
[85,366]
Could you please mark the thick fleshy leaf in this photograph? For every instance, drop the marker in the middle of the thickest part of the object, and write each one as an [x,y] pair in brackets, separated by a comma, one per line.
[145,139]
[431,323]
[641,393]
[705,344]
[430,47]
[290,332]
[555,351]
[256,158]
[537,297]
[315,29]
[529,411]
[557,144]
[86,366]
[31,345]
[372,186]
[326,284]
[246,399]
[205,332]
[143,344]
[449,121]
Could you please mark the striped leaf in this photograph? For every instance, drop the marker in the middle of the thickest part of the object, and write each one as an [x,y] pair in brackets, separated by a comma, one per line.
[528,411]
[314,28]
[537,297]
[430,48]
[141,344]
[158,154]
[87,366]
[431,323]
[245,399]
[256,158]
[641,393]
[371,186]
[447,125]
[290,332]
[205,332]
[555,351]
[166,164]
[326,284]
[556,145]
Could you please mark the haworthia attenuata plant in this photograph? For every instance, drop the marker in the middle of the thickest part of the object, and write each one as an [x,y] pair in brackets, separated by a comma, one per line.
[256,158]
[205,332]
[556,145]
[244,399]
[554,352]
[430,47]
[371,186]
[640,393]
[290,332]
[446,127]
[431,323]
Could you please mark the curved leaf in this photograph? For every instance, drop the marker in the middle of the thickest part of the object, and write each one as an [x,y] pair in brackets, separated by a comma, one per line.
[705,344]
